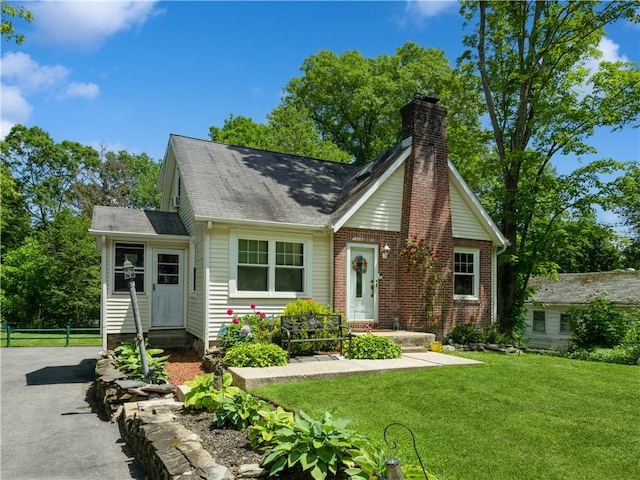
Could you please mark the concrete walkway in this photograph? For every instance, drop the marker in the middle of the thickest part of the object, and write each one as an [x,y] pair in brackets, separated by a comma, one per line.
[327,366]
[48,428]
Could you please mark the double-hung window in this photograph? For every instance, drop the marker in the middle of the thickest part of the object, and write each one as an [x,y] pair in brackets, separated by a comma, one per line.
[565,323]
[466,273]
[539,321]
[269,266]
[134,252]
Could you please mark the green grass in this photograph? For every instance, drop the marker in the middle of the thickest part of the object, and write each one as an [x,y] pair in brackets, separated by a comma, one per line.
[50,340]
[527,417]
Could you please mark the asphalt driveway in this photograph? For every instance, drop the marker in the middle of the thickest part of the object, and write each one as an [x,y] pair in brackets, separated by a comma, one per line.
[48,428]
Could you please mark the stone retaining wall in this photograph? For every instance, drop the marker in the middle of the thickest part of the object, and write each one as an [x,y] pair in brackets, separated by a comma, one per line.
[146,417]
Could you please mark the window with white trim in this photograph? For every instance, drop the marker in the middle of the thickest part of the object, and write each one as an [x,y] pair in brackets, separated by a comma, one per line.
[539,321]
[466,273]
[134,252]
[269,266]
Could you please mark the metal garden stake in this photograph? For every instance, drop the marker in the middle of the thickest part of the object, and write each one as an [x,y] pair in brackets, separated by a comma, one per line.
[130,277]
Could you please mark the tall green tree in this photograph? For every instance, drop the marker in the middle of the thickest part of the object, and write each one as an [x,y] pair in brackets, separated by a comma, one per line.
[45,171]
[355,101]
[9,12]
[543,101]
[289,129]
[15,220]
[628,188]
[53,279]
[118,180]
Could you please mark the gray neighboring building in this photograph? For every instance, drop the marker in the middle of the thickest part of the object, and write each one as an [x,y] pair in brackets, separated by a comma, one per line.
[548,317]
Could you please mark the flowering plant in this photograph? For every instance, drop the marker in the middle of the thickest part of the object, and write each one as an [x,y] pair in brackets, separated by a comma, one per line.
[418,254]
[254,326]
[420,257]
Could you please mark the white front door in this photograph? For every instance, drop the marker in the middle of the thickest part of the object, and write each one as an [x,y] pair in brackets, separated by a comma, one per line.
[168,288]
[362,289]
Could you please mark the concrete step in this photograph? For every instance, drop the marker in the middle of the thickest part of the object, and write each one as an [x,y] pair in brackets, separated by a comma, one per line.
[405,338]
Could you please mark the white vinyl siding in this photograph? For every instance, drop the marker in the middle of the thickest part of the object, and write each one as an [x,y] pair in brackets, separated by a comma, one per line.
[553,336]
[383,210]
[464,223]
[220,299]
[195,298]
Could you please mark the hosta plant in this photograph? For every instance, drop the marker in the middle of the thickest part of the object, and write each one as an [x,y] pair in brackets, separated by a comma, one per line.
[319,448]
[239,411]
[262,431]
[205,395]
[127,354]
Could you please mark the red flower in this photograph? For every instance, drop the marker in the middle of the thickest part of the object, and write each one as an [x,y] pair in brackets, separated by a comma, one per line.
[229,312]
[253,306]
[262,314]
[236,321]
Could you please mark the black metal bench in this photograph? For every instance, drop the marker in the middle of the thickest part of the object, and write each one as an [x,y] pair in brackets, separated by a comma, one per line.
[313,327]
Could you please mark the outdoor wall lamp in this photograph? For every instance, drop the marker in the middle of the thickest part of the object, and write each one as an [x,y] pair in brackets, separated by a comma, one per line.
[385,251]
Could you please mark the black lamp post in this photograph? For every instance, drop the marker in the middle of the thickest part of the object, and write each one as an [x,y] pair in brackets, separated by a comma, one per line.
[130,277]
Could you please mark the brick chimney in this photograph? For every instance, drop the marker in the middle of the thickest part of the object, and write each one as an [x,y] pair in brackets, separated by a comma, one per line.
[426,206]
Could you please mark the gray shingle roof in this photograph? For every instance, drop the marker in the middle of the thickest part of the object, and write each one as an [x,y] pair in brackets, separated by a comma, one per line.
[621,286]
[132,221]
[236,183]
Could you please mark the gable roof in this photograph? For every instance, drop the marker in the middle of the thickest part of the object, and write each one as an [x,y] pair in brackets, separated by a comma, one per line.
[114,220]
[621,286]
[257,185]
[238,184]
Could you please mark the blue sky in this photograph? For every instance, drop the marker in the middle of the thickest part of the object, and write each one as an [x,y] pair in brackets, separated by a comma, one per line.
[127,74]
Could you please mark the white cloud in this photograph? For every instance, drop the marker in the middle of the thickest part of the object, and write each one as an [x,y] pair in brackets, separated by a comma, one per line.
[77,89]
[15,108]
[20,69]
[23,77]
[429,8]
[88,24]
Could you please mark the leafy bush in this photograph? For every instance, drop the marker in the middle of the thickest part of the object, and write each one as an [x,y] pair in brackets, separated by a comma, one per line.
[127,354]
[306,305]
[492,335]
[599,325]
[255,355]
[373,347]
[621,354]
[319,447]
[205,395]
[464,333]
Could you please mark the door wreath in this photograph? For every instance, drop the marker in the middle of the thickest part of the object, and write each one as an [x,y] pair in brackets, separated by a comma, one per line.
[359,264]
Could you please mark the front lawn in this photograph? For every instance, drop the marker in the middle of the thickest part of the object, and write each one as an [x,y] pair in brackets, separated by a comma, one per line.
[525,417]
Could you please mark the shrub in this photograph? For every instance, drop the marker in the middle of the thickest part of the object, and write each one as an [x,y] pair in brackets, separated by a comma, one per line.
[127,354]
[621,354]
[373,347]
[255,355]
[306,305]
[599,325]
[492,335]
[464,333]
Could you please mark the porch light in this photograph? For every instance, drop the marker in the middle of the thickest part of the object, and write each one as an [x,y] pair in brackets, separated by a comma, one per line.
[128,269]
[385,251]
